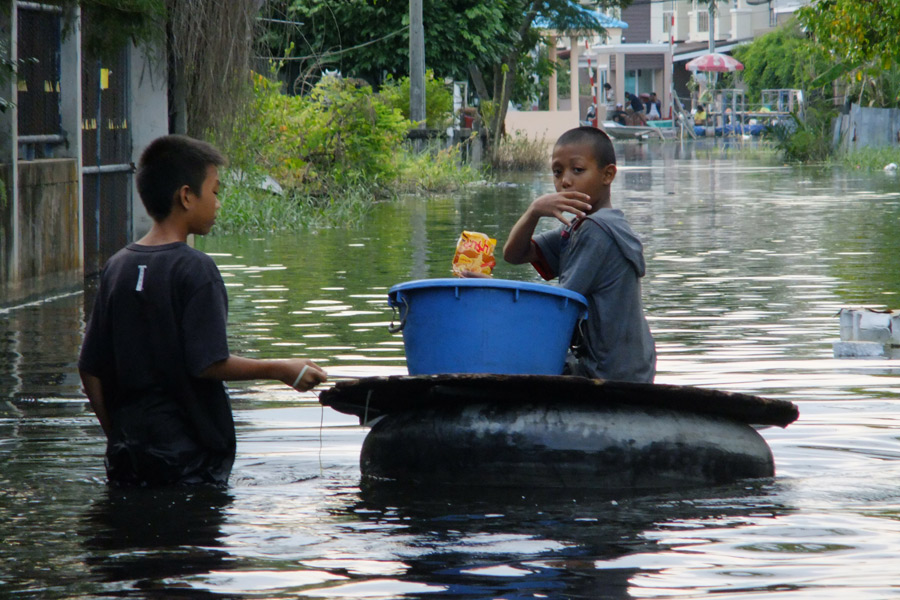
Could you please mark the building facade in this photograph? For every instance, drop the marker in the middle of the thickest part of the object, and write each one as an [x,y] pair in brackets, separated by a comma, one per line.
[67,149]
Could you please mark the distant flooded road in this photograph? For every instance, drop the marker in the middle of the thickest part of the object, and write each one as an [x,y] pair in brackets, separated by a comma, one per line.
[748,265]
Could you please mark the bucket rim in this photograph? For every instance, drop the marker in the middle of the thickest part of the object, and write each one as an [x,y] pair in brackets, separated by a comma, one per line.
[503,284]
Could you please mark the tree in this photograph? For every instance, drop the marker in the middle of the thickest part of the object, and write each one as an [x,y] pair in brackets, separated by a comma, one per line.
[484,41]
[861,41]
[765,67]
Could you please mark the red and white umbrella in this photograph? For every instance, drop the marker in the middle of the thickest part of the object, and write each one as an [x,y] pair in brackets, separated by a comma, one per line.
[720,63]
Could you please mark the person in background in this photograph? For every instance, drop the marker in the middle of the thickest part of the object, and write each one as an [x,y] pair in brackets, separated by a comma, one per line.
[700,115]
[635,110]
[596,254]
[610,95]
[654,107]
[155,352]
[619,115]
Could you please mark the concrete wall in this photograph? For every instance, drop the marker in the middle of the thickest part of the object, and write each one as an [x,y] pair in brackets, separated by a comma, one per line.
[149,117]
[537,124]
[49,235]
[867,127]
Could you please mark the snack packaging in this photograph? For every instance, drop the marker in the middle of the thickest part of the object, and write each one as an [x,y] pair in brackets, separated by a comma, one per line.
[474,254]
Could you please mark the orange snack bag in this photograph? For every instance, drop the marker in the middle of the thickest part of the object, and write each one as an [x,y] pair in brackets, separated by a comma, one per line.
[474,254]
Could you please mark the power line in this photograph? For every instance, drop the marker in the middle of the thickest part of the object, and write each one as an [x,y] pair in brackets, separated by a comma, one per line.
[344,50]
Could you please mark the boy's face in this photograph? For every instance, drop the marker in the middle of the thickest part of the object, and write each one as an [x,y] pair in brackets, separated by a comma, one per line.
[203,207]
[575,169]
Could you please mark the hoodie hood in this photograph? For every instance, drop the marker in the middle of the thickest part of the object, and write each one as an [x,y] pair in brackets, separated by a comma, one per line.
[613,221]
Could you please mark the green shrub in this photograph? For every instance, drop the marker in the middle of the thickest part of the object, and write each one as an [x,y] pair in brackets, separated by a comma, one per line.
[435,169]
[438,99]
[808,139]
[334,152]
[338,135]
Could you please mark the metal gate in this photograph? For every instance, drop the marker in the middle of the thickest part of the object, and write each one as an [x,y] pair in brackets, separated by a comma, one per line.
[39,39]
[106,155]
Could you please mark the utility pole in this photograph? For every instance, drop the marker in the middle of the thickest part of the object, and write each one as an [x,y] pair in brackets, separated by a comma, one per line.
[712,25]
[416,63]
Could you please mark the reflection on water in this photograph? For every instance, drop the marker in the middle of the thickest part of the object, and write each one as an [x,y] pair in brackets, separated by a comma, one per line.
[137,535]
[748,265]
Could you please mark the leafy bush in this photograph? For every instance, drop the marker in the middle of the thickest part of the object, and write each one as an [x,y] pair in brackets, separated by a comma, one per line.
[333,152]
[435,169]
[438,99]
[338,135]
[809,139]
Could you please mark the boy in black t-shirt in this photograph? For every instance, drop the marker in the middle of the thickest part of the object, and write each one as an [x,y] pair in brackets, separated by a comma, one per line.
[155,352]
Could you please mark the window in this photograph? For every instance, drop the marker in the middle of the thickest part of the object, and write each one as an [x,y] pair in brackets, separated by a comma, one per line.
[703,21]
[667,20]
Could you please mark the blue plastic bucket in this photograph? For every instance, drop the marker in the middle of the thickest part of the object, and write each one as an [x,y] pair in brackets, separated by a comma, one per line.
[486,325]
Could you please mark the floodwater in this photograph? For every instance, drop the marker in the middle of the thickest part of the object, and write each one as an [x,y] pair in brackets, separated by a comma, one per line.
[748,267]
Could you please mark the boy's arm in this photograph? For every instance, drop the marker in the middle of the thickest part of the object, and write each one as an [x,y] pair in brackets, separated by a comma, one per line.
[287,371]
[518,248]
[93,389]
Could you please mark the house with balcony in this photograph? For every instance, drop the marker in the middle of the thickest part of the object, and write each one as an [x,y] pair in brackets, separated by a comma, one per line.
[650,55]
[644,49]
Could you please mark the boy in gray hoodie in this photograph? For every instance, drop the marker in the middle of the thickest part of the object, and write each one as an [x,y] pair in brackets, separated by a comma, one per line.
[597,254]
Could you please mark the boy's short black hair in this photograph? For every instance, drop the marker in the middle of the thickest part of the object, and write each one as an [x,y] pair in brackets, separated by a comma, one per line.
[597,139]
[169,163]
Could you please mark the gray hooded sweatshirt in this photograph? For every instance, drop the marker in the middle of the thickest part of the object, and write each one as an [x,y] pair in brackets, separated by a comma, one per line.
[602,258]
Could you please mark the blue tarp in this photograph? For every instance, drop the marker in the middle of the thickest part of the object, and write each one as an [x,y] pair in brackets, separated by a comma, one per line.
[601,19]
[732,129]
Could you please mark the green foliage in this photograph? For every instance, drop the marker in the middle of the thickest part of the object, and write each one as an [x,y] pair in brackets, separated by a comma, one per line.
[854,32]
[860,41]
[367,38]
[871,159]
[875,87]
[438,99]
[765,66]
[246,208]
[334,151]
[434,170]
[338,135]
[809,139]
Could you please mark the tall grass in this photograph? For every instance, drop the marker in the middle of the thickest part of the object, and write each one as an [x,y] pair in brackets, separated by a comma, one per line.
[435,169]
[247,208]
[871,159]
[520,152]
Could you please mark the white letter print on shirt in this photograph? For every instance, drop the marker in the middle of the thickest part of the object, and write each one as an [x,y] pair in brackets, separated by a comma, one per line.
[140,284]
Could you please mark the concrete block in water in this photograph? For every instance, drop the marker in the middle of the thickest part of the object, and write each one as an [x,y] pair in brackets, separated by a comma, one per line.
[861,350]
[869,325]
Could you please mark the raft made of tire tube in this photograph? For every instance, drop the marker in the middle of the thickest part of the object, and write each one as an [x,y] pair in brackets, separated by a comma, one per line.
[556,431]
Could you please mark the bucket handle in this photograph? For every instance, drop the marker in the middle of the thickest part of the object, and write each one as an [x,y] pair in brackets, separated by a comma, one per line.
[403,314]
[577,344]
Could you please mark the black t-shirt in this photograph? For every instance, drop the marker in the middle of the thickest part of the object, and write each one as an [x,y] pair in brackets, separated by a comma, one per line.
[636,104]
[158,321]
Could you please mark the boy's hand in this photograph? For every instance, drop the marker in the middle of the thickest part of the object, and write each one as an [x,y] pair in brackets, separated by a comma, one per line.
[307,375]
[556,204]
